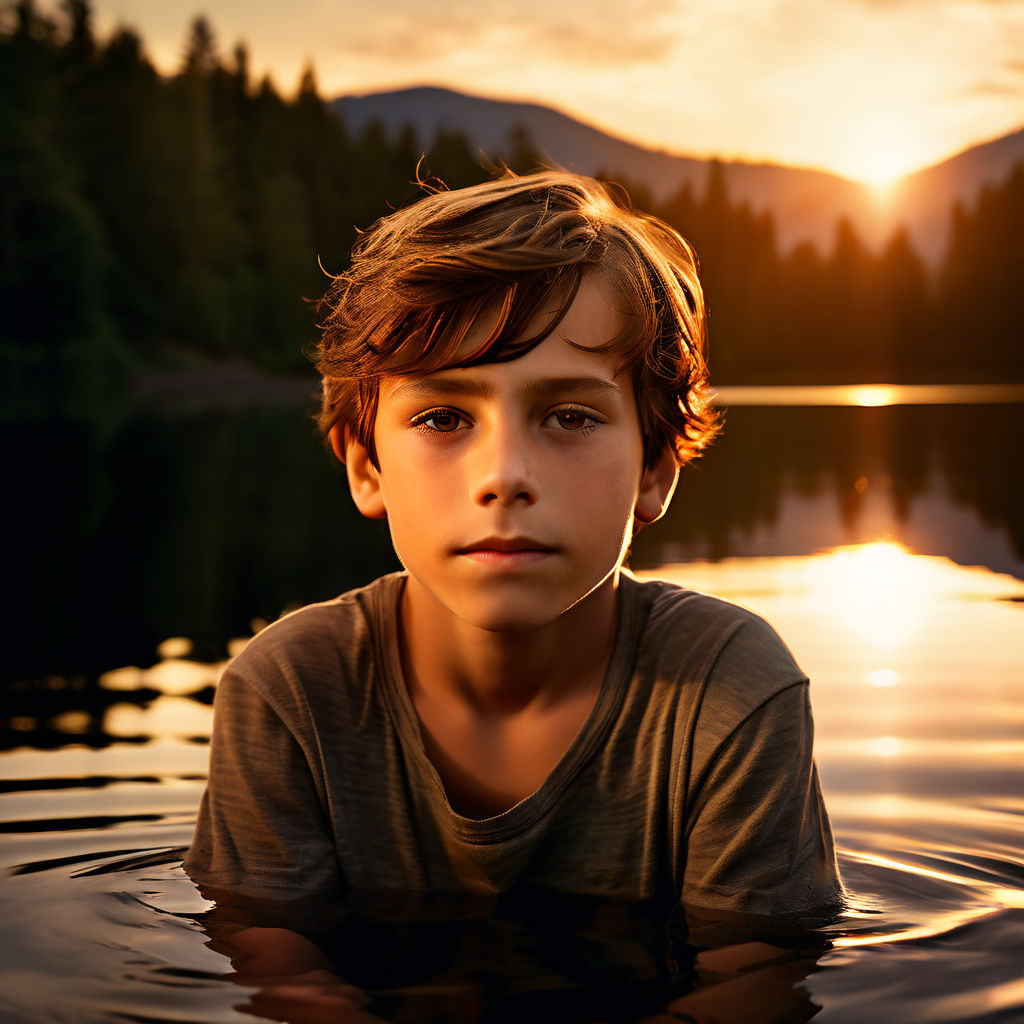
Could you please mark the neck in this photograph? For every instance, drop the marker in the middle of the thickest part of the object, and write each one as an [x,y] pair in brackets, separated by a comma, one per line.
[498,673]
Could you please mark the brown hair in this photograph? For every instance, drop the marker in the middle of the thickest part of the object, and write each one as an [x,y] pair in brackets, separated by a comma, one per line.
[421,276]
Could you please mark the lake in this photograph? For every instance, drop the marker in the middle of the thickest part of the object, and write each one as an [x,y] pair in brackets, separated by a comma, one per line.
[885,543]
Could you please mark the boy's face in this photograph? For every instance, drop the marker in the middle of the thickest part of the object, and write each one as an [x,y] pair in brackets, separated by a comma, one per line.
[510,487]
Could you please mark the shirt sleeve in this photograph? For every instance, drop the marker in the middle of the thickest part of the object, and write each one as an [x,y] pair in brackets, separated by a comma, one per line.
[262,836]
[758,835]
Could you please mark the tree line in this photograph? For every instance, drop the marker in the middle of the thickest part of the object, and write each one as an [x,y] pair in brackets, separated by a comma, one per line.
[151,221]
[851,315]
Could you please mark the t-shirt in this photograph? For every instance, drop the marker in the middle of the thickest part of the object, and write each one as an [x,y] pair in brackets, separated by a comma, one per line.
[692,778]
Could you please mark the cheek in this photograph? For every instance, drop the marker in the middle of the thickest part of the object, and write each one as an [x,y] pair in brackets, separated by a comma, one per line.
[615,473]
[604,493]
[418,496]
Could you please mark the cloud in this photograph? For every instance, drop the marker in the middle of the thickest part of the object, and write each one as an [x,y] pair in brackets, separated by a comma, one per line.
[898,4]
[1009,84]
[408,41]
[992,87]
[803,81]
[584,43]
[625,34]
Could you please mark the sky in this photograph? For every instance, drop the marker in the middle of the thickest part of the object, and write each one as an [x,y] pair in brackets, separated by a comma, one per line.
[869,89]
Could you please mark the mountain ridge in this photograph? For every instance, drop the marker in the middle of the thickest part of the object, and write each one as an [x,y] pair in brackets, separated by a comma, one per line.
[805,203]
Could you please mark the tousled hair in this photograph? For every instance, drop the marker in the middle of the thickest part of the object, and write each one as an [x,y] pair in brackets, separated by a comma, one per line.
[517,247]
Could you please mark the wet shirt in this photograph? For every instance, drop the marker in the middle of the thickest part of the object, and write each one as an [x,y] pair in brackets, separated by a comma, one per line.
[692,778]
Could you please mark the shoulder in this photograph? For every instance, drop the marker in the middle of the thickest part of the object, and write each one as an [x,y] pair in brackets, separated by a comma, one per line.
[672,606]
[319,644]
[735,654]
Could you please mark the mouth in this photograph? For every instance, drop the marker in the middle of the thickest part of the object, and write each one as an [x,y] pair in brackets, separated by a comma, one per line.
[506,551]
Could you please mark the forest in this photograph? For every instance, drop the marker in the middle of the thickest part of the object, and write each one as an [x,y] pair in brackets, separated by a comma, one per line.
[155,222]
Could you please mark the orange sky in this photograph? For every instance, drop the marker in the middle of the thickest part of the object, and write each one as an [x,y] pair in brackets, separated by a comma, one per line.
[866,88]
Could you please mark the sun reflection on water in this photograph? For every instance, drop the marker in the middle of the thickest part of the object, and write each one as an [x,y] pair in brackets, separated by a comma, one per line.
[990,898]
[888,746]
[878,589]
[873,395]
[883,678]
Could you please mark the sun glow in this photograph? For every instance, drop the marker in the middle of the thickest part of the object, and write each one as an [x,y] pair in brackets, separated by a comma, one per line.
[882,167]
[877,144]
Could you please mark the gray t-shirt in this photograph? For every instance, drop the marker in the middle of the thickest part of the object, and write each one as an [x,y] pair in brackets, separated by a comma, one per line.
[692,777]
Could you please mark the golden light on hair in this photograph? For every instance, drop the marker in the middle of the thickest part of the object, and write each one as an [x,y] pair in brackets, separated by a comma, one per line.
[517,247]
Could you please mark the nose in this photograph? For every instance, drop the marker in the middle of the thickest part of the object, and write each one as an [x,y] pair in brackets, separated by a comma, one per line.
[504,469]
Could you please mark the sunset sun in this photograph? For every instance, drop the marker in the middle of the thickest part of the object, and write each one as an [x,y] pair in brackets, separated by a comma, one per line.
[880,161]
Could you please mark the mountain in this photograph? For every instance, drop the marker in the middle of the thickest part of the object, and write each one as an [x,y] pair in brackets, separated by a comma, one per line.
[806,204]
[923,200]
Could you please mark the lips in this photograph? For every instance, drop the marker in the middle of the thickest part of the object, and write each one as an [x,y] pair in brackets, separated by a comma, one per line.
[506,545]
[507,553]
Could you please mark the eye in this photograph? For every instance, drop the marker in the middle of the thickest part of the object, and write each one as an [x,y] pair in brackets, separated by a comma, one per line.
[574,419]
[440,421]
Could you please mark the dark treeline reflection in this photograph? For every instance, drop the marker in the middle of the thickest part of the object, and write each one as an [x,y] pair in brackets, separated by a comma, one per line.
[166,222]
[195,525]
[955,455]
[188,527]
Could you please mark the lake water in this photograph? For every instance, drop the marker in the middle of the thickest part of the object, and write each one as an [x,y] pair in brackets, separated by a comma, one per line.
[884,542]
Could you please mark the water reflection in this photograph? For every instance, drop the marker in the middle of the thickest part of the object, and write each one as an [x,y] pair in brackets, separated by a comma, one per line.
[882,677]
[920,744]
[149,546]
[799,480]
[879,590]
[194,525]
[871,395]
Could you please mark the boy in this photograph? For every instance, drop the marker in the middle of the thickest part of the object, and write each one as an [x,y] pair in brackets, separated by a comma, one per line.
[513,375]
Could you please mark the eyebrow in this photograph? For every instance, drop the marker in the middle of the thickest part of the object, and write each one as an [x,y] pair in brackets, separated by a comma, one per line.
[457,387]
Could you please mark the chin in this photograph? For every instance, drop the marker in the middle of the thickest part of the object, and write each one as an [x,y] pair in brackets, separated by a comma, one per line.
[522,614]
[507,620]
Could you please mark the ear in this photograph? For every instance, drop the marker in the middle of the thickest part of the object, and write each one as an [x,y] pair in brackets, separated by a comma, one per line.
[363,475]
[656,487]
[337,436]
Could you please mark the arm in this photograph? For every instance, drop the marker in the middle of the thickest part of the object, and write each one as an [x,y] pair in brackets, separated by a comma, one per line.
[263,831]
[264,852]
[293,979]
[753,983]
[760,871]
[756,832]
